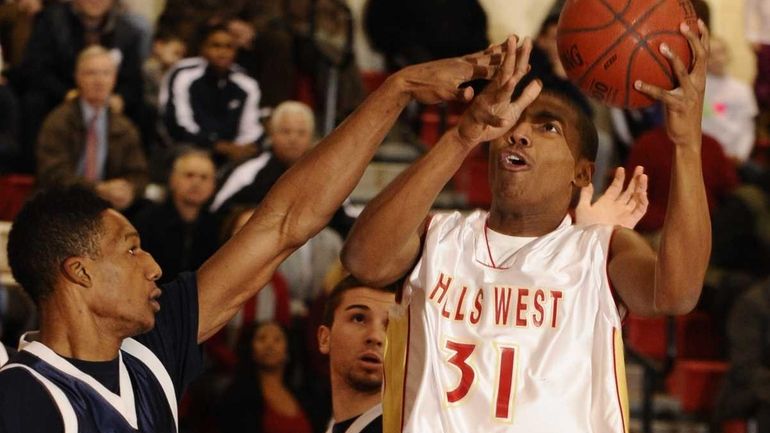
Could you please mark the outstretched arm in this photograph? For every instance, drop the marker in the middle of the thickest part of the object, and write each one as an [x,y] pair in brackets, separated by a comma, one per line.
[669,280]
[385,240]
[306,196]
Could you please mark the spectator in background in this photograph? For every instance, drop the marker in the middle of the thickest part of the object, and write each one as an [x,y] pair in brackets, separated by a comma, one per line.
[266,50]
[180,233]
[61,31]
[291,132]
[654,151]
[409,31]
[729,107]
[758,34]
[85,140]
[9,126]
[210,102]
[260,398]
[746,390]
[167,49]
[186,17]
[353,335]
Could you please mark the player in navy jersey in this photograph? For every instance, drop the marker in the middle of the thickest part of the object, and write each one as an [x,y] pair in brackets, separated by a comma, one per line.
[114,351]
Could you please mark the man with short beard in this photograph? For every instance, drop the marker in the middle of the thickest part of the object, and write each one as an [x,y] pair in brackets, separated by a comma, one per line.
[353,335]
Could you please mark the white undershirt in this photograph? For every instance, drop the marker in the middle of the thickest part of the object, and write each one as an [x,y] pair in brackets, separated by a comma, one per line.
[502,247]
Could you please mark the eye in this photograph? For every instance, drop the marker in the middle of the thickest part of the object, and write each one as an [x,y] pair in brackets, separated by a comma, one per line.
[358,318]
[133,250]
[551,127]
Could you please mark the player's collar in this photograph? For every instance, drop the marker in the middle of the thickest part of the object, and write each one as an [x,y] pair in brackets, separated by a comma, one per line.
[483,252]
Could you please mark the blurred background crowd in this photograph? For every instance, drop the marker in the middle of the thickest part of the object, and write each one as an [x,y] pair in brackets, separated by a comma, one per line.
[183,113]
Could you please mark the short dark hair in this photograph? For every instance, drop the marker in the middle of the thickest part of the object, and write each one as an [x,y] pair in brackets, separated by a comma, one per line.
[348,283]
[55,224]
[167,36]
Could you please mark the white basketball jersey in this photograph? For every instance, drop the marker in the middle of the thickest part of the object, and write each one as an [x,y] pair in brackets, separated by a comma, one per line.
[530,345]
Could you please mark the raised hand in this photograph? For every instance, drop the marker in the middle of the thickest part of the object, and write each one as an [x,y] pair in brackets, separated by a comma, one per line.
[616,206]
[684,105]
[440,80]
[492,113]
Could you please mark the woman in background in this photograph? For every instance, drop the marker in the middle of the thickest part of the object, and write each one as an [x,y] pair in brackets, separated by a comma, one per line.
[260,399]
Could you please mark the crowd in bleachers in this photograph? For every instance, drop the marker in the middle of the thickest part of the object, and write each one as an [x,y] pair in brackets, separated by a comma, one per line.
[183,120]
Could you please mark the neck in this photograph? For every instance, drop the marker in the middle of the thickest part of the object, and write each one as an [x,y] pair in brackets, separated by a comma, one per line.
[95,105]
[271,378]
[523,224]
[188,212]
[91,23]
[348,402]
[74,332]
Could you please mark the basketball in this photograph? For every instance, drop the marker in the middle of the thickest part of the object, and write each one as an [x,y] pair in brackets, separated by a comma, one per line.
[606,45]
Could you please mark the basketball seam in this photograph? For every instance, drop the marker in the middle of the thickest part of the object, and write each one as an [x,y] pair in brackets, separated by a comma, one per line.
[662,66]
[600,27]
[629,29]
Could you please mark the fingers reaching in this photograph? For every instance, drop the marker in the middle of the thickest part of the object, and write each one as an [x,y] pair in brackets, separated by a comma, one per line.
[507,68]
[528,96]
[616,187]
[628,193]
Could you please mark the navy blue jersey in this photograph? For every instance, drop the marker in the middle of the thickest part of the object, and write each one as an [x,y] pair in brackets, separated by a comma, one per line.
[136,392]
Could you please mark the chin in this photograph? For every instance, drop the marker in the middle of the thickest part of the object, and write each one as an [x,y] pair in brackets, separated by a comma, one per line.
[145,326]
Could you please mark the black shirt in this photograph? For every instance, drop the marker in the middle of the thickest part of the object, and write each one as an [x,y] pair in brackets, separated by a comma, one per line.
[177,245]
[25,406]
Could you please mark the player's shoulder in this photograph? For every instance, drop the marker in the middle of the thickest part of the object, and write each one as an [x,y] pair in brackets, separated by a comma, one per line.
[25,405]
[15,380]
[19,388]
[457,218]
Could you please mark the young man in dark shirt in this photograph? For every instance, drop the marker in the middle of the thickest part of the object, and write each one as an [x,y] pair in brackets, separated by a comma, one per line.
[181,233]
[353,335]
[95,287]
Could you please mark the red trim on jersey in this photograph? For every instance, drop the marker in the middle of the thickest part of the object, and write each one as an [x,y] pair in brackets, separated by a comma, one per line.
[486,239]
[615,374]
[406,362]
[615,297]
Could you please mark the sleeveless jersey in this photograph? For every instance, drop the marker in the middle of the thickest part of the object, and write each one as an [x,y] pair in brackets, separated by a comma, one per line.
[147,402]
[531,344]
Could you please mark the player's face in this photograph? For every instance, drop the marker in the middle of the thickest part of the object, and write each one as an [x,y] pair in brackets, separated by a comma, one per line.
[356,340]
[123,294]
[291,136]
[269,346]
[192,180]
[536,164]
[219,50]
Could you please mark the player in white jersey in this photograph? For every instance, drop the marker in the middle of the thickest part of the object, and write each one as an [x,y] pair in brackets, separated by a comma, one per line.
[511,318]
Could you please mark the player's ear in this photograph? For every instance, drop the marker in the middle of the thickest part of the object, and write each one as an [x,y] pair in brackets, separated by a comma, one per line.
[323,334]
[584,173]
[75,269]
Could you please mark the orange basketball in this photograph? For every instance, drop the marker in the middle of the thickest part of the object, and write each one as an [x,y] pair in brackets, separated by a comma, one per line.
[606,45]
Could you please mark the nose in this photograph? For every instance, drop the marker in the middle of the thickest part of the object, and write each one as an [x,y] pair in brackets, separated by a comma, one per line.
[376,336]
[153,272]
[521,134]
